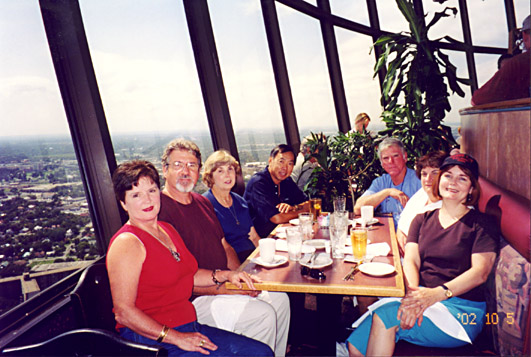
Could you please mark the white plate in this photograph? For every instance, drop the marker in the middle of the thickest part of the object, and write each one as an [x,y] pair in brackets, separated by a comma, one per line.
[317,243]
[321,260]
[377,269]
[277,261]
[372,221]
[294,221]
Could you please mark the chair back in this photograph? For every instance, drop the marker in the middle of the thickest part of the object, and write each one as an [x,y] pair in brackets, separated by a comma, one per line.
[92,299]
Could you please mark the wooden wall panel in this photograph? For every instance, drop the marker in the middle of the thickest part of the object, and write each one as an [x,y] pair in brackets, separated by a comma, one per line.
[499,139]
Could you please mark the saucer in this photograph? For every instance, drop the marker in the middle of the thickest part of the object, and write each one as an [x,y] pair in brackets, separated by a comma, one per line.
[360,222]
[277,261]
[316,243]
[321,260]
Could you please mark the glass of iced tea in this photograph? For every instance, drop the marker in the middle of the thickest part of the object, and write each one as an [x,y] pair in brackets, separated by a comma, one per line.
[315,207]
[358,236]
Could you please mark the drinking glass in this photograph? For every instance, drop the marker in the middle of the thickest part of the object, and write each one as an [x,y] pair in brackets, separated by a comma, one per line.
[339,203]
[294,241]
[339,218]
[315,207]
[338,235]
[358,236]
[306,225]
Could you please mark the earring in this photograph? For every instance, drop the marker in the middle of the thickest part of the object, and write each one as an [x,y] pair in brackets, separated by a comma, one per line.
[469,197]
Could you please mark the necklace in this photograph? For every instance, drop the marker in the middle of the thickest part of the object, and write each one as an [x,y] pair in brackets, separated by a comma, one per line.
[175,254]
[234,214]
[228,204]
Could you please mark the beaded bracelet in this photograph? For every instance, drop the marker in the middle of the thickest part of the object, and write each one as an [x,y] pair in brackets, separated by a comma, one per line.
[163,333]
[216,281]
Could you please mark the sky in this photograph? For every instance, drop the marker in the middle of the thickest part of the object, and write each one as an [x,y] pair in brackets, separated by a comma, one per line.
[147,76]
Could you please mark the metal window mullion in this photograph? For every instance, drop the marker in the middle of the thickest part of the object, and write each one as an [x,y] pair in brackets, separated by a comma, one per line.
[280,71]
[469,52]
[210,78]
[84,111]
[334,68]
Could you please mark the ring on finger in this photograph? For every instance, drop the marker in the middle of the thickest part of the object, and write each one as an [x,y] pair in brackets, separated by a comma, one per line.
[201,343]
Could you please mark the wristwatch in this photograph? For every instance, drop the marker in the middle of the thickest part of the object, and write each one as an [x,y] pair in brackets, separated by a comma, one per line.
[447,291]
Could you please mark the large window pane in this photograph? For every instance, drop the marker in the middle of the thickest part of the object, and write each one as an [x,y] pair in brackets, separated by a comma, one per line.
[357,65]
[45,226]
[147,76]
[308,71]
[391,19]
[248,79]
[447,26]
[351,10]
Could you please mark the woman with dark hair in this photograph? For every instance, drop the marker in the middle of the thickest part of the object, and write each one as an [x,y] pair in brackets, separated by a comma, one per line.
[449,254]
[151,273]
[427,169]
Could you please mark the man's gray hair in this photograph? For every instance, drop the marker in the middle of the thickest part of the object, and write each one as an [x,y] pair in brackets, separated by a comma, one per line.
[181,144]
[388,142]
[304,143]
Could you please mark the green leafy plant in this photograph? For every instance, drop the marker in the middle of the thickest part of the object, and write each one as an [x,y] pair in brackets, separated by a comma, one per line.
[347,164]
[415,89]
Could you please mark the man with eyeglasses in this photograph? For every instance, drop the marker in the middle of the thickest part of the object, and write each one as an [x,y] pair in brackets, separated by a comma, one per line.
[264,316]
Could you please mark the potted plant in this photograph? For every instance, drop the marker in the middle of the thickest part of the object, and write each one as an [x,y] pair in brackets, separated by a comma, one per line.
[415,89]
[347,164]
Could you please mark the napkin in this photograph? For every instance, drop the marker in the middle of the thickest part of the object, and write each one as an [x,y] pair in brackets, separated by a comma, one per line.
[280,232]
[373,250]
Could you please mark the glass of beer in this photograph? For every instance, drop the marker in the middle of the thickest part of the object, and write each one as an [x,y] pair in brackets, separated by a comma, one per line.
[358,236]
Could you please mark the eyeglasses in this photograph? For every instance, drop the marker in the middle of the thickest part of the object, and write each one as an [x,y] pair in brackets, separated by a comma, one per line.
[179,166]
[314,273]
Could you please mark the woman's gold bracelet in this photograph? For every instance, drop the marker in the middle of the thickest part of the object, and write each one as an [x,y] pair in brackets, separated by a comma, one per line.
[163,333]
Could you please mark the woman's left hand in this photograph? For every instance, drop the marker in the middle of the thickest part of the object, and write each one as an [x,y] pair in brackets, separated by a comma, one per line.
[239,277]
[422,298]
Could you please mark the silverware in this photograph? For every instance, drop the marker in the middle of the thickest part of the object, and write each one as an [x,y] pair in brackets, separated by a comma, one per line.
[312,258]
[351,273]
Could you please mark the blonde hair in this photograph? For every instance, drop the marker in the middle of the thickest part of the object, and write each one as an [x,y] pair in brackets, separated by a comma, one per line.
[360,117]
[214,161]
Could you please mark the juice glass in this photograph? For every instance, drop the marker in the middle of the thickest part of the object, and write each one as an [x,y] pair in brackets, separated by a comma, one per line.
[358,236]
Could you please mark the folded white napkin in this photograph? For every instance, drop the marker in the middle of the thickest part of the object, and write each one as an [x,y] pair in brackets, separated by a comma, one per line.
[373,250]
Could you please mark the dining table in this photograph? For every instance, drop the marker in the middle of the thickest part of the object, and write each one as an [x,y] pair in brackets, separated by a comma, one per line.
[288,277]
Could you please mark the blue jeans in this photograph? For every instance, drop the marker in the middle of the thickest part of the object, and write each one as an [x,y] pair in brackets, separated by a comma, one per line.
[229,344]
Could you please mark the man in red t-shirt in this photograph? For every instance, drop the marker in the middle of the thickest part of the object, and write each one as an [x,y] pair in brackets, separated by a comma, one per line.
[512,79]
[264,317]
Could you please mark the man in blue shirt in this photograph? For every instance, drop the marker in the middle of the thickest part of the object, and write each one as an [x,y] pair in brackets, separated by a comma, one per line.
[272,195]
[390,192]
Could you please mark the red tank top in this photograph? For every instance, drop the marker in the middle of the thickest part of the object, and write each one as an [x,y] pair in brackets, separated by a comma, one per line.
[165,285]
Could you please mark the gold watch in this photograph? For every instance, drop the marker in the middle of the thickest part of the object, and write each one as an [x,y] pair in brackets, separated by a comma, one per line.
[447,291]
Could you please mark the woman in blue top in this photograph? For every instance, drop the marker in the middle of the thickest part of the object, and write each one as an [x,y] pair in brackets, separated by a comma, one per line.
[231,209]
